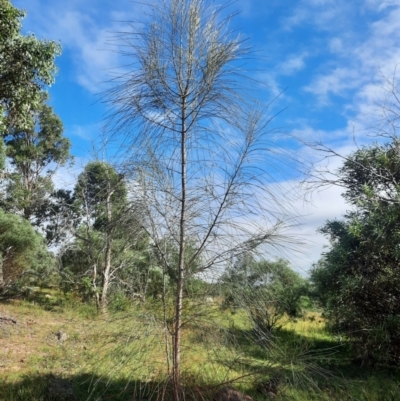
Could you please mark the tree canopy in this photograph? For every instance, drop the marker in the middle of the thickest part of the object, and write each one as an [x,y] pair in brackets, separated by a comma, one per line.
[26,68]
[34,153]
[98,183]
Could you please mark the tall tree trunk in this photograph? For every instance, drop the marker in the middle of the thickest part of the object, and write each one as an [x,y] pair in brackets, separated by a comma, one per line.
[166,328]
[94,285]
[181,265]
[106,276]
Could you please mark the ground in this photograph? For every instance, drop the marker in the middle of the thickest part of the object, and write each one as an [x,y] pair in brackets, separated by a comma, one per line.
[121,356]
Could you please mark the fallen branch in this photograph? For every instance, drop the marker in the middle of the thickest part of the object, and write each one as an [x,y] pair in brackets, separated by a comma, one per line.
[7,319]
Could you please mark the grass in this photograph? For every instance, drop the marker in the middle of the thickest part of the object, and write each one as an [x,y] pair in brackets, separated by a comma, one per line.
[122,356]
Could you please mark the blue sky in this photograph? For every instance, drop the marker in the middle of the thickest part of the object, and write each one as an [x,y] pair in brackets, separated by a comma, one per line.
[328,57]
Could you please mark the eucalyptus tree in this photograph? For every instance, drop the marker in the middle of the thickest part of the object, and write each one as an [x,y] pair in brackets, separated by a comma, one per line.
[30,132]
[100,197]
[34,153]
[110,249]
[199,147]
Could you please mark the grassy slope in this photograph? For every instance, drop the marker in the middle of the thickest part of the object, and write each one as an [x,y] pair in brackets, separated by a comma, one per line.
[122,357]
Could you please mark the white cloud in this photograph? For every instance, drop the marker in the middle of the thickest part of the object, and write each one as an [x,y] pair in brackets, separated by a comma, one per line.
[312,209]
[87,42]
[269,78]
[293,64]
[325,15]
[360,63]
[84,30]
[65,177]
[86,132]
[381,4]
[339,81]
[326,204]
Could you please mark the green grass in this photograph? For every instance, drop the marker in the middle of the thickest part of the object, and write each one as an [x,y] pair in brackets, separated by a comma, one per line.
[122,356]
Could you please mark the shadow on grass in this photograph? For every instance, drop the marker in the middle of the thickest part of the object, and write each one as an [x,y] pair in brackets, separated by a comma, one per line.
[324,365]
[51,301]
[83,387]
[260,346]
[86,387]
[45,298]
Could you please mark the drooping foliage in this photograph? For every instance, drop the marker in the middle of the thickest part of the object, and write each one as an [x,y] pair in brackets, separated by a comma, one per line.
[358,280]
[196,134]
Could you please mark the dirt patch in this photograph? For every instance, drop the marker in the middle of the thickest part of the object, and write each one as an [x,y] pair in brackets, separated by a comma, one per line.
[23,336]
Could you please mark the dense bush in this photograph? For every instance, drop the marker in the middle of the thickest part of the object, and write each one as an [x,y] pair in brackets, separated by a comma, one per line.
[358,280]
[24,258]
